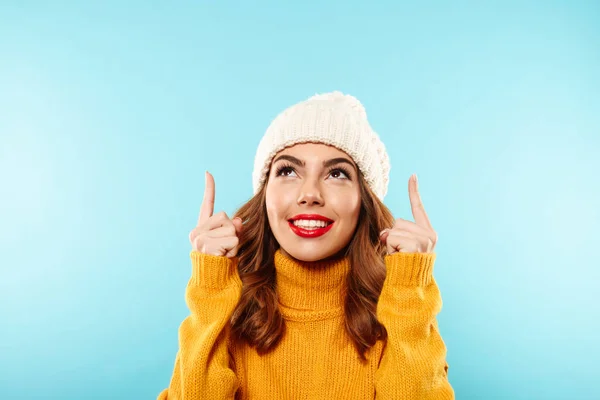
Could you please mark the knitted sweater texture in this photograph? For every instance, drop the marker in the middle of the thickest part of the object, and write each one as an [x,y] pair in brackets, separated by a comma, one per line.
[315,359]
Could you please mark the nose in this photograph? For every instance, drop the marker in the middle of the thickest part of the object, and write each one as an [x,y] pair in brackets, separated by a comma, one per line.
[310,193]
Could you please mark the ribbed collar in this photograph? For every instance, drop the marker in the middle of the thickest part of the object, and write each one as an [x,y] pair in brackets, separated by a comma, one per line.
[310,290]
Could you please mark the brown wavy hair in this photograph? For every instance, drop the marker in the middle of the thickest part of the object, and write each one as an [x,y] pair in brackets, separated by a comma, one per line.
[257,319]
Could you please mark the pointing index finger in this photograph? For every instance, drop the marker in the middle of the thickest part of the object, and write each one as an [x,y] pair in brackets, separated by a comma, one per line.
[208,202]
[416,205]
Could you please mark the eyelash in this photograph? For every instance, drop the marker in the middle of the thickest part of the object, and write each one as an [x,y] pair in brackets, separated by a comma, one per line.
[343,170]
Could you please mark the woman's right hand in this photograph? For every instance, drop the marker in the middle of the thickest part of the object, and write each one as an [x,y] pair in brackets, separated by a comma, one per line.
[215,234]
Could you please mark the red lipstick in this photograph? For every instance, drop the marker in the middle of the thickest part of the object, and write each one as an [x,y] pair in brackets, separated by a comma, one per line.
[313,232]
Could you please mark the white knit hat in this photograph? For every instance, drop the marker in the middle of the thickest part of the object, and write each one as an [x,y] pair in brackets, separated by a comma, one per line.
[331,118]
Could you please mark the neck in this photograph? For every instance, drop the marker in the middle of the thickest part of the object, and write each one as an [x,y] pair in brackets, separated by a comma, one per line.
[311,286]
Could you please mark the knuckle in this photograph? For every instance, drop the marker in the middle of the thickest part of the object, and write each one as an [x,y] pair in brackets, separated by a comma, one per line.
[200,242]
[231,228]
[197,243]
[194,233]
[208,247]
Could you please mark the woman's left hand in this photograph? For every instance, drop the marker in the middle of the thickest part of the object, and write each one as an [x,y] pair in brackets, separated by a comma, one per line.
[407,236]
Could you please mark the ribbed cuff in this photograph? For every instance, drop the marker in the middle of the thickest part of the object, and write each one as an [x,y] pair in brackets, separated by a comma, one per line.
[213,272]
[409,269]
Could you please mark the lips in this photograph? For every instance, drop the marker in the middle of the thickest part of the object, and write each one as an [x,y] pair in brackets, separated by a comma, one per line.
[313,232]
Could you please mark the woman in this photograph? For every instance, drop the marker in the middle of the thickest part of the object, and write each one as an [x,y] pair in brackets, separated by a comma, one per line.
[313,290]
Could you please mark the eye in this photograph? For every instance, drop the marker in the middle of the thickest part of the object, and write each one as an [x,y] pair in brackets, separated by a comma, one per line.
[284,170]
[336,172]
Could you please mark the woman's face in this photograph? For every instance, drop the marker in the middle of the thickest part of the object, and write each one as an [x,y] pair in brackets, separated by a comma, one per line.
[309,183]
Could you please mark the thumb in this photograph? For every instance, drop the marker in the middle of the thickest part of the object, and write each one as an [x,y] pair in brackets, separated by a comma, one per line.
[237,222]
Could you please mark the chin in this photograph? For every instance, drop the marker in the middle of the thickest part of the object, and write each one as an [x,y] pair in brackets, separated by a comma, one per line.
[310,254]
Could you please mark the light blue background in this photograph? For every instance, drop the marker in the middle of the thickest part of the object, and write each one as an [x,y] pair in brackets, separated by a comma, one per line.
[110,114]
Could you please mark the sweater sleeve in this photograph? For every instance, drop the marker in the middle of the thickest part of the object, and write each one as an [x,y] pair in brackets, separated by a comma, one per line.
[202,368]
[413,363]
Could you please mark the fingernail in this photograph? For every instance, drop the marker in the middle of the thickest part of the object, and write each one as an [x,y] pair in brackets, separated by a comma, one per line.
[382,232]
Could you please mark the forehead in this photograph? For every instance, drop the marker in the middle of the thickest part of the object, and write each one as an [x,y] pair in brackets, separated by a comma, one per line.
[313,151]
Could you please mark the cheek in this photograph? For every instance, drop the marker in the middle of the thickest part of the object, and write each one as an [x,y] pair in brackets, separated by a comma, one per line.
[276,203]
[354,209]
[348,207]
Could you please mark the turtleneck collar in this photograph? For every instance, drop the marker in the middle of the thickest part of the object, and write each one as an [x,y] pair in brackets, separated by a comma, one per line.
[309,290]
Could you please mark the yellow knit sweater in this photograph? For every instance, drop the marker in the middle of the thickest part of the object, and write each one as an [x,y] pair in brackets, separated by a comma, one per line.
[315,359]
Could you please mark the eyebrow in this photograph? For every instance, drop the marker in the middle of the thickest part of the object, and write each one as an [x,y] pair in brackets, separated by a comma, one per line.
[326,164]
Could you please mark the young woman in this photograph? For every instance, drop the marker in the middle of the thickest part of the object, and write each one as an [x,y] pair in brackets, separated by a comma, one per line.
[313,290]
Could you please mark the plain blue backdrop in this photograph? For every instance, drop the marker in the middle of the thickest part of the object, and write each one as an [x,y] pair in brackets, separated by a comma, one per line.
[110,114]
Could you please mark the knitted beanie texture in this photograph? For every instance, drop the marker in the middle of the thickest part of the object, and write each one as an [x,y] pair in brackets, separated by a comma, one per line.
[336,119]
